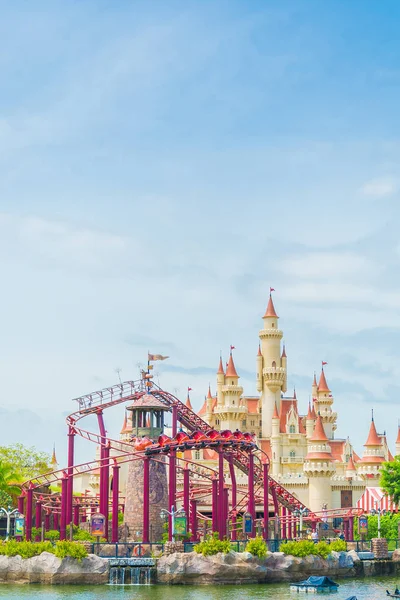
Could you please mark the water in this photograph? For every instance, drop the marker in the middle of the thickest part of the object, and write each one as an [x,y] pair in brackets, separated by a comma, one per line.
[130,576]
[364,589]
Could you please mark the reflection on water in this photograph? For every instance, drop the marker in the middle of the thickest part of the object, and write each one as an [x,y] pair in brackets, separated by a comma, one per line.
[364,589]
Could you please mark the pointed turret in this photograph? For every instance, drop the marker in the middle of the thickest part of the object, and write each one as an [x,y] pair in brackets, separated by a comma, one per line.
[220,367]
[54,462]
[294,394]
[259,350]
[373,438]
[374,454]
[398,441]
[309,412]
[283,355]
[309,422]
[270,312]
[209,402]
[230,369]
[319,434]
[322,385]
[314,387]
[259,369]
[124,425]
[188,403]
[275,414]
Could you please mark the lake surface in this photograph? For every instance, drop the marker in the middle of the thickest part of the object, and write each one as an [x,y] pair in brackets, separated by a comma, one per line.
[364,589]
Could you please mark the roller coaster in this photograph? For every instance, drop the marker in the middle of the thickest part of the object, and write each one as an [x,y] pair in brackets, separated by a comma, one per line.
[189,482]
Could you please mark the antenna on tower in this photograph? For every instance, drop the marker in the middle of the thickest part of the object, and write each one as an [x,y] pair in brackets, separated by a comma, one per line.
[118,372]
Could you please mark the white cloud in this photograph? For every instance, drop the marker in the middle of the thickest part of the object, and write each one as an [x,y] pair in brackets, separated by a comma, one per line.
[325,265]
[380,187]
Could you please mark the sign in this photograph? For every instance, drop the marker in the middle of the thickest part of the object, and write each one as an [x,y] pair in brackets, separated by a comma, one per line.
[19,524]
[248,523]
[98,525]
[180,526]
[363,525]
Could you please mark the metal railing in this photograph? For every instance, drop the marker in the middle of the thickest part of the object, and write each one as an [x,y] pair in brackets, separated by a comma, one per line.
[127,549]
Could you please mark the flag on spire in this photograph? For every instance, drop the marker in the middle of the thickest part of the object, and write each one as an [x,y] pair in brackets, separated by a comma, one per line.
[271,290]
[152,357]
[189,389]
[324,363]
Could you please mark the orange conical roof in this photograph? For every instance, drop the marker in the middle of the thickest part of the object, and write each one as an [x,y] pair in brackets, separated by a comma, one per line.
[124,424]
[220,367]
[313,413]
[270,312]
[373,438]
[275,413]
[259,350]
[230,369]
[309,413]
[315,379]
[319,434]
[54,458]
[188,403]
[323,386]
[209,395]
[350,465]
[284,352]
[398,435]
[294,393]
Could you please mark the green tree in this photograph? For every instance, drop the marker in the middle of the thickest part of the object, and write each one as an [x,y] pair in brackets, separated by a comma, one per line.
[8,484]
[25,462]
[390,479]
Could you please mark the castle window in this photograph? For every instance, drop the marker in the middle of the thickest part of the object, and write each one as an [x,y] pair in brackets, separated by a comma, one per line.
[233,383]
[273,364]
[252,423]
[272,324]
[292,429]
[292,454]
[243,423]
[260,423]
[233,402]
[217,421]
[197,455]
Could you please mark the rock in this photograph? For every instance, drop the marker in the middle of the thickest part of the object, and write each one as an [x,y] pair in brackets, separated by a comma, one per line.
[395,556]
[48,569]
[242,567]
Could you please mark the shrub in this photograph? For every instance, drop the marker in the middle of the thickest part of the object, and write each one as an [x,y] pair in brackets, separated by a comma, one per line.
[65,548]
[25,549]
[257,547]
[338,546]
[53,535]
[306,548]
[212,545]
[323,549]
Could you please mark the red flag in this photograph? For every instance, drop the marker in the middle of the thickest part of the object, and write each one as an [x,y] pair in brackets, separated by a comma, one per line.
[189,389]
[271,289]
[233,348]
[324,363]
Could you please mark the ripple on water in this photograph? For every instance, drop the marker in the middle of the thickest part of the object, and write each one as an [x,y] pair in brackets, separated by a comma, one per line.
[364,589]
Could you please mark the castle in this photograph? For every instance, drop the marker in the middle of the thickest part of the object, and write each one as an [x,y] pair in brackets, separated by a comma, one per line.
[305,457]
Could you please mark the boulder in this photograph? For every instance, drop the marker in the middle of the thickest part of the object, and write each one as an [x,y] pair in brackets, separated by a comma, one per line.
[48,569]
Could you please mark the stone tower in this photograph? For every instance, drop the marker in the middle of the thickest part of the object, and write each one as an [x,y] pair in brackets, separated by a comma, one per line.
[324,402]
[147,421]
[271,368]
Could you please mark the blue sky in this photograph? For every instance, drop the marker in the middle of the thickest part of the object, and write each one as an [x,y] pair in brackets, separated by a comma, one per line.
[162,164]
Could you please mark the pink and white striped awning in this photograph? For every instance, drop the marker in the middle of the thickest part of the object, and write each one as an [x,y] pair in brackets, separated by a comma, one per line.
[374,497]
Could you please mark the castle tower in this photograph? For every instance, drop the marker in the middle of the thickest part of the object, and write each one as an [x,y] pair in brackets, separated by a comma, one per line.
[220,383]
[188,403]
[54,463]
[209,405]
[351,470]
[324,406]
[275,443]
[273,373]
[373,457]
[310,421]
[398,441]
[319,468]
[230,412]
[147,420]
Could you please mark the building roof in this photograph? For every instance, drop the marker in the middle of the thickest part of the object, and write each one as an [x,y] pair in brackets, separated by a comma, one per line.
[319,434]
[188,403]
[270,312]
[147,401]
[309,412]
[313,413]
[230,370]
[373,438]
[322,385]
[209,395]
[350,465]
[284,351]
[337,449]
[53,457]
[266,447]
[275,413]
[259,350]
[252,406]
[220,367]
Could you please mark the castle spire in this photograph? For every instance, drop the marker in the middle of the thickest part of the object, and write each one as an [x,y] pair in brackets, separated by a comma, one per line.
[259,350]
[309,413]
[230,369]
[373,438]
[284,352]
[322,385]
[53,457]
[275,413]
[220,367]
[319,434]
[188,403]
[270,312]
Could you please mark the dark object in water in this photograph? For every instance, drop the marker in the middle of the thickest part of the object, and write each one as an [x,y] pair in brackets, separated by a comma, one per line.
[315,584]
